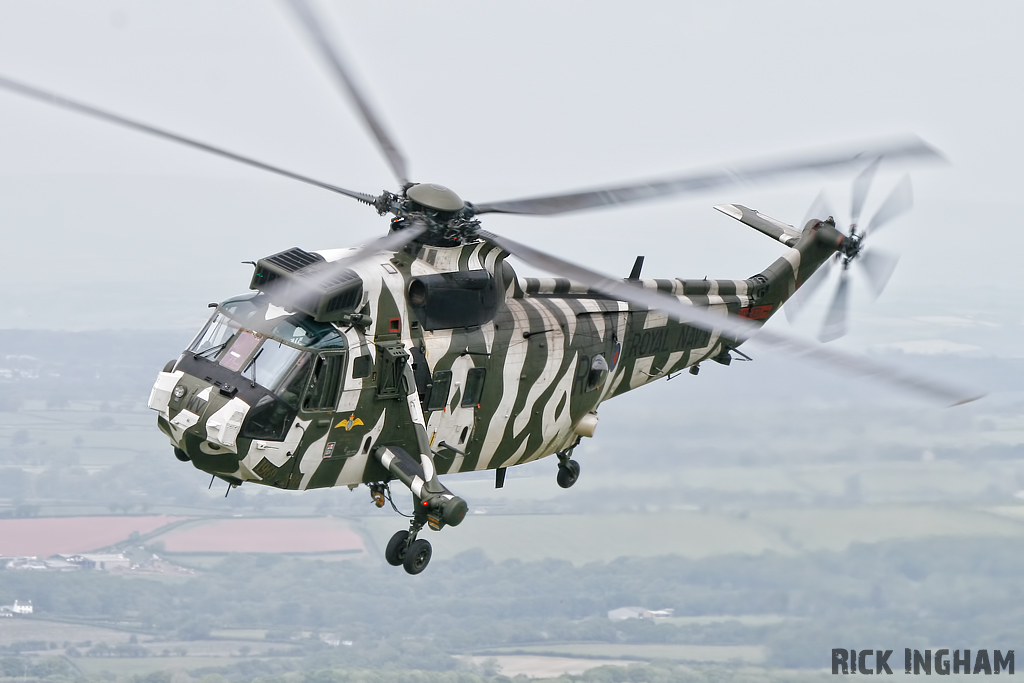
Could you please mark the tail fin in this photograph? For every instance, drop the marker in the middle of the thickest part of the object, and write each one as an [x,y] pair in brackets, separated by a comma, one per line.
[808,251]
[777,230]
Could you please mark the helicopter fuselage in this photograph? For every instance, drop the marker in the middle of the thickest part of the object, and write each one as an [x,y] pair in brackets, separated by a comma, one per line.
[444,345]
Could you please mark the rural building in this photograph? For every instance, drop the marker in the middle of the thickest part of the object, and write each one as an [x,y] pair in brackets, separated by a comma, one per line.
[105,562]
[53,564]
[623,613]
[97,561]
[17,608]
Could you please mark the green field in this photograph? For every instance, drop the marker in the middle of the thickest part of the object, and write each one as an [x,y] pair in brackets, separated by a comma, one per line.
[144,665]
[694,534]
[681,653]
[22,629]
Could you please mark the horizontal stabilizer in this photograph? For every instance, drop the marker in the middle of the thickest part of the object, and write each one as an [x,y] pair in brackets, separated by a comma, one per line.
[783,232]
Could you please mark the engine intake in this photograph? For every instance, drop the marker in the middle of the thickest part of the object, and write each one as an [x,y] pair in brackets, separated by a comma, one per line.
[447,300]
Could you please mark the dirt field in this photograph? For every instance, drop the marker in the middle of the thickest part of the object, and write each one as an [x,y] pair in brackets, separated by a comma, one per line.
[266,535]
[51,535]
[542,667]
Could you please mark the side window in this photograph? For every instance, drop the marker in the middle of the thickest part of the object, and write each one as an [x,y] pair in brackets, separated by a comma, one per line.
[361,366]
[590,374]
[324,383]
[474,387]
[439,387]
[293,383]
[598,372]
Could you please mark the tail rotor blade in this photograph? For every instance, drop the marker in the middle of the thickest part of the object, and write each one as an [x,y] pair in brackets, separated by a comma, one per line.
[796,303]
[899,201]
[861,185]
[878,267]
[820,209]
[835,321]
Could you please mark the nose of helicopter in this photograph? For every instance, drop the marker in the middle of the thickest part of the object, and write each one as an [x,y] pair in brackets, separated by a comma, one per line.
[201,419]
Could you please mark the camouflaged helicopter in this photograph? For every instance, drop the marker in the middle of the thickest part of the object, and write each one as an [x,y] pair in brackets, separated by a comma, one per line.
[423,353]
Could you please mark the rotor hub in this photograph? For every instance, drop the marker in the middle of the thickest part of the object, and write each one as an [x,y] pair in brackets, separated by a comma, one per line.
[436,197]
[851,247]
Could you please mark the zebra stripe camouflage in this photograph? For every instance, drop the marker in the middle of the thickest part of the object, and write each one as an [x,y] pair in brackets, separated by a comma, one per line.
[523,384]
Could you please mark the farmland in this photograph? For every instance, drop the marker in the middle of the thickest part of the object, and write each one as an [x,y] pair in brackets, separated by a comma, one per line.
[768,552]
[267,535]
[52,535]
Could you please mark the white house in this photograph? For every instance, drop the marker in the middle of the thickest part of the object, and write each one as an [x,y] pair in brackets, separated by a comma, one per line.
[623,613]
[17,608]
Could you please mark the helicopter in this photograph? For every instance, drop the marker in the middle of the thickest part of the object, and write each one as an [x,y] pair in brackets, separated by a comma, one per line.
[423,353]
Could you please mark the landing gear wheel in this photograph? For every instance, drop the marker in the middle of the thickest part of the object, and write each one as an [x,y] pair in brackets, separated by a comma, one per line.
[568,473]
[417,557]
[396,551]
[181,455]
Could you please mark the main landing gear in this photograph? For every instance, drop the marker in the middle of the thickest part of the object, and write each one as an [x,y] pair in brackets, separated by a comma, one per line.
[568,469]
[433,506]
[405,550]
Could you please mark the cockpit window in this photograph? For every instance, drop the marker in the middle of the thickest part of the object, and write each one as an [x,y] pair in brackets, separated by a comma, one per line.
[294,381]
[275,349]
[271,363]
[214,337]
[294,330]
[240,349]
[325,382]
[256,312]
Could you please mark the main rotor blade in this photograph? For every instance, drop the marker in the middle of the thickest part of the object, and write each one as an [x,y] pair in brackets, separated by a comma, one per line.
[707,180]
[730,326]
[835,319]
[796,303]
[878,267]
[861,185]
[327,49]
[287,294]
[72,105]
[899,201]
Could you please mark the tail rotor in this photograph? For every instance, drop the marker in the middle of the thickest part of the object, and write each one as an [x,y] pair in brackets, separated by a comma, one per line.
[877,265]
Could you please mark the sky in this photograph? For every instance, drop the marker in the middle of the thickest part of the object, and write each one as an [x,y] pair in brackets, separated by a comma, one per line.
[103,228]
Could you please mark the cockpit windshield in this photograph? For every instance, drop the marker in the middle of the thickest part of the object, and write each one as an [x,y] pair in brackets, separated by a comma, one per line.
[214,337]
[255,312]
[265,343]
[270,366]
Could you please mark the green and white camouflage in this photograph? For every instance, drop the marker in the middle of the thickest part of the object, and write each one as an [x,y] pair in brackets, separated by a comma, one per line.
[275,397]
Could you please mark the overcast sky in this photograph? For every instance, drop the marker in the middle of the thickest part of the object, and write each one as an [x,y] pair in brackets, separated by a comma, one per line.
[105,228]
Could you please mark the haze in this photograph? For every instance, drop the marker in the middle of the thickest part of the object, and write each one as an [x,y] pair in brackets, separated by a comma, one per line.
[851,514]
[497,102]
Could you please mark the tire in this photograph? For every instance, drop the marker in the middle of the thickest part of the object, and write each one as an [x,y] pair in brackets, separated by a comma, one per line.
[181,455]
[395,552]
[568,474]
[418,556]
[575,467]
